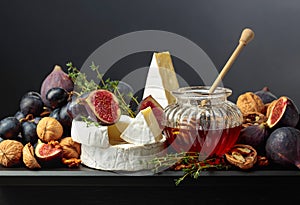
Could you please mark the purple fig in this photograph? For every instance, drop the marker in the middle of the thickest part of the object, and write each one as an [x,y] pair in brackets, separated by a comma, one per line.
[266,95]
[57,78]
[282,112]
[283,146]
[255,136]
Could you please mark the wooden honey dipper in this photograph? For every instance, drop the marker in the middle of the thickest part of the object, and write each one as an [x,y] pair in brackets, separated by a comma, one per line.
[246,36]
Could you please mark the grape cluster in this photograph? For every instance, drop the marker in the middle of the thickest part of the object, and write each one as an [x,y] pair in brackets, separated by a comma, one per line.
[22,125]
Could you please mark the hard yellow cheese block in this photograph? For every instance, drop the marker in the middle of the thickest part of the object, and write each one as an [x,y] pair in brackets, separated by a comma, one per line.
[161,79]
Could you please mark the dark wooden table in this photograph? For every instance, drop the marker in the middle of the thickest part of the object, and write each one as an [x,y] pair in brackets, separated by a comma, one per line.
[88,186]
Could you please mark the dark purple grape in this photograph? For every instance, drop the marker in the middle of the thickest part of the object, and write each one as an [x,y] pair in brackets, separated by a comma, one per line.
[10,127]
[36,120]
[31,103]
[64,117]
[28,132]
[18,138]
[19,115]
[55,113]
[57,97]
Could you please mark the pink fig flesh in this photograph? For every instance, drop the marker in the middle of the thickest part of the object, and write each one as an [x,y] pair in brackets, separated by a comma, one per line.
[104,106]
[47,152]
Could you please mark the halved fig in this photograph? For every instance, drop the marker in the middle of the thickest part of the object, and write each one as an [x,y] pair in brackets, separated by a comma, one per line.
[103,106]
[282,112]
[48,153]
[157,109]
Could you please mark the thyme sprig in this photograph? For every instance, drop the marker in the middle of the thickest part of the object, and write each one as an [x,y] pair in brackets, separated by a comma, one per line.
[189,163]
[85,85]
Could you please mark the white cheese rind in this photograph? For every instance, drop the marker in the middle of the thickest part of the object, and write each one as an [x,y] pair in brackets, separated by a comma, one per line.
[89,135]
[161,79]
[99,136]
[123,157]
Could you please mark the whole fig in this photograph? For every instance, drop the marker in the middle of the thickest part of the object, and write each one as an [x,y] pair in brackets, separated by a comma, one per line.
[57,78]
[283,145]
[266,95]
[255,136]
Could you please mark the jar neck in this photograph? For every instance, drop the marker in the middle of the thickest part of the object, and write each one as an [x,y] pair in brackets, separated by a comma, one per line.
[199,95]
[205,101]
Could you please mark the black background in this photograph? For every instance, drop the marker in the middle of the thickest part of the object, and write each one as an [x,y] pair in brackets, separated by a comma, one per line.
[36,35]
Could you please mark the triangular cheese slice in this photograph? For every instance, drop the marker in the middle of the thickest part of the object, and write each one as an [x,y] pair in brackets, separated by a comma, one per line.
[161,79]
[144,129]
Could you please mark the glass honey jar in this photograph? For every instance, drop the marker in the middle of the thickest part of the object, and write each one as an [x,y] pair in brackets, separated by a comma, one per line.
[201,122]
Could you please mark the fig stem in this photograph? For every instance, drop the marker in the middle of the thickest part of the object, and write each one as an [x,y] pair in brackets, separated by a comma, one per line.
[246,36]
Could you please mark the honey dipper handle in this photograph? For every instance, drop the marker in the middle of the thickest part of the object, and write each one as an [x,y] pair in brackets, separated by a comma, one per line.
[246,36]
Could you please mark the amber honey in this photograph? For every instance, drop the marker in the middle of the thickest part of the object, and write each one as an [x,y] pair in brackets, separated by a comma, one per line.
[206,142]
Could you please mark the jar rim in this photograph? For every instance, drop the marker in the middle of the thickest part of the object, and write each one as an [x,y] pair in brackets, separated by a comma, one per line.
[201,92]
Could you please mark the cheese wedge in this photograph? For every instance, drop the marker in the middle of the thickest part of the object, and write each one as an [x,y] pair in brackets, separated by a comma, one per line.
[161,79]
[122,157]
[143,129]
[99,136]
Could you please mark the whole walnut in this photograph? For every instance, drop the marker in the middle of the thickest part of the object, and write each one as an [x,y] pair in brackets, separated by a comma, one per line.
[250,102]
[10,153]
[49,129]
[71,149]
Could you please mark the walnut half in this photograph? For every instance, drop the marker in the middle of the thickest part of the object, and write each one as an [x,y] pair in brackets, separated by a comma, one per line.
[242,156]
[71,149]
[28,157]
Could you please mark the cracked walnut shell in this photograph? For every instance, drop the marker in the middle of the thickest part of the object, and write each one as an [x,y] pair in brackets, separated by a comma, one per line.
[250,102]
[71,149]
[28,157]
[10,153]
[242,156]
[48,129]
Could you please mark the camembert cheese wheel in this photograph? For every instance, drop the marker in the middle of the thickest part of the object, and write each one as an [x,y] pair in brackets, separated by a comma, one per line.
[122,157]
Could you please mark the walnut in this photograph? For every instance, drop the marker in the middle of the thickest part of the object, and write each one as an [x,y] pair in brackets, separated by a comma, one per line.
[253,118]
[262,161]
[10,153]
[242,156]
[71,149]
[250,102]
[72,162]
[48,128]
[28,157]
